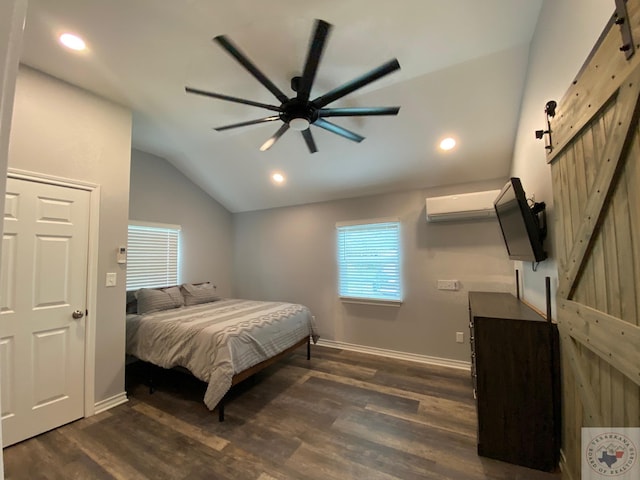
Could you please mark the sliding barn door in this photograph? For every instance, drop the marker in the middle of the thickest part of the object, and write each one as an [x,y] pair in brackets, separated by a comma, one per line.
[595,165]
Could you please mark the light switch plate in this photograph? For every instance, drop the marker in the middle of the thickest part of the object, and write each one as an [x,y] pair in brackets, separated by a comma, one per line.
[111,279]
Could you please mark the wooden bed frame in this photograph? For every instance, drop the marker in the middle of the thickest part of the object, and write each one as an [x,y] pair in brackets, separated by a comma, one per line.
[239,377]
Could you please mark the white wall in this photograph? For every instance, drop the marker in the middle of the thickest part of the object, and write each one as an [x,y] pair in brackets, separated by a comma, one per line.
[12,17]
[564,36]
[290,254]
[61,130]
[160,193]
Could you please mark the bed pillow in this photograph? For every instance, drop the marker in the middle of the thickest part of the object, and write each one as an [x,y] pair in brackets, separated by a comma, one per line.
[132,302]
[157,299]
[200,293]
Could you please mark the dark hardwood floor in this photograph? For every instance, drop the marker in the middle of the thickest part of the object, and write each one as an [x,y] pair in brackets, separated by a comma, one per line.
[341,415]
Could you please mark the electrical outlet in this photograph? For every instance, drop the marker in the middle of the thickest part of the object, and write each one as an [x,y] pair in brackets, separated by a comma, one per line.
[459,337]
[447,285]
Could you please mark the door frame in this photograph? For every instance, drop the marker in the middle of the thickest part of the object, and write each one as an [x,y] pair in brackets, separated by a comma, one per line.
[92,271]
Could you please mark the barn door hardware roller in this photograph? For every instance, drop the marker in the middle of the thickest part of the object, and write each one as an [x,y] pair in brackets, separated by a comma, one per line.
[622,19]
[550,111]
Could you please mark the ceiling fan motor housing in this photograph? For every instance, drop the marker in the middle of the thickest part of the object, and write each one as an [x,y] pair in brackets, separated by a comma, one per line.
[295,108]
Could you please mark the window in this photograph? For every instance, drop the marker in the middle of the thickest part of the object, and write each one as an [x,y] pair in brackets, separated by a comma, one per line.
[369,261]
[152,257]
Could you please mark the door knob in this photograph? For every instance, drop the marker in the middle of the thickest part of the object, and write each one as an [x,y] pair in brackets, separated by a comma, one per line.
[77,314]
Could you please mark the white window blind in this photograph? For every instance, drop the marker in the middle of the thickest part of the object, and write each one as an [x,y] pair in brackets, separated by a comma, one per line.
[152,256]
[369,261]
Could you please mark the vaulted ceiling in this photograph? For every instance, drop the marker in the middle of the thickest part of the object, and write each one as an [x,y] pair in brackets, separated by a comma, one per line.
[463,67]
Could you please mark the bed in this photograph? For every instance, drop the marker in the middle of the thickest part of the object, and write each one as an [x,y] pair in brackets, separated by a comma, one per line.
[220,341]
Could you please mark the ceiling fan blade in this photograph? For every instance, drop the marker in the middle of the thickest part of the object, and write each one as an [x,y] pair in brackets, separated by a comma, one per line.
[246,63]
[313,59]
[269,143]
[343,132]
[309,139]
[231,99]
[341,91]
[357,112]
[250,122]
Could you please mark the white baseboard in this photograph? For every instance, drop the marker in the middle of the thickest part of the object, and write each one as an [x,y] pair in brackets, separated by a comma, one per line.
[107,403]
[412,357]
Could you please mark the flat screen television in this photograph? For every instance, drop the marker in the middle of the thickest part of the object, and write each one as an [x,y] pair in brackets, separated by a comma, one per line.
[523,226]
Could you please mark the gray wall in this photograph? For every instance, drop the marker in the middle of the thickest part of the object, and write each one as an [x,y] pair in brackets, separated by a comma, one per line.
[61,130]
[564,36]
[290,254]
[160,193]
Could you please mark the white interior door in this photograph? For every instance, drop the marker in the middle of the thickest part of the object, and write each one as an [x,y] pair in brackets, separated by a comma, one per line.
[43,282]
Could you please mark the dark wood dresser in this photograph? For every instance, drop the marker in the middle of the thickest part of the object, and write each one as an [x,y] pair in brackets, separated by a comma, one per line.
[514,357]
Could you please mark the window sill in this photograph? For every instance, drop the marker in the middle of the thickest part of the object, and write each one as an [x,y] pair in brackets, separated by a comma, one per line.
[371,301]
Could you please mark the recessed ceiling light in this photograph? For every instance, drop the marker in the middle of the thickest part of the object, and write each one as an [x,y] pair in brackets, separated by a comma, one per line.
[72,41]
[277,178]
[447,143]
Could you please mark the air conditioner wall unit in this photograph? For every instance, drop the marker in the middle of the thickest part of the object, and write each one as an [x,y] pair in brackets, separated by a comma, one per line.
[464,206]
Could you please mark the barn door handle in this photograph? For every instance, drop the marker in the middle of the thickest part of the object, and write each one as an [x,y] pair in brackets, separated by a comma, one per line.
[77,314]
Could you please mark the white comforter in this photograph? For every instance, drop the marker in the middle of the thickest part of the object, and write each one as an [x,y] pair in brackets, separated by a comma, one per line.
[216,340]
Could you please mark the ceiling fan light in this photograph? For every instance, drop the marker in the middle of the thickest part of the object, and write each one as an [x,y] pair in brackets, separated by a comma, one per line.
[299,124]
[267,145]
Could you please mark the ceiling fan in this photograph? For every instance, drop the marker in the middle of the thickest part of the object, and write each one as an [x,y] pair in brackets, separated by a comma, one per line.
[299,112]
